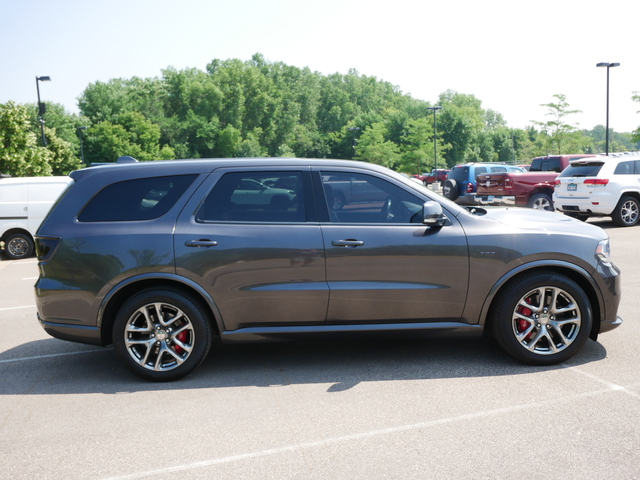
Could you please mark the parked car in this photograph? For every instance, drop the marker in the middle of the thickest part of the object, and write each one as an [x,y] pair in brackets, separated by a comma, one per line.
[435,176]
[601,186]
[24,202]
[157,258]
[461,185]
[533,188]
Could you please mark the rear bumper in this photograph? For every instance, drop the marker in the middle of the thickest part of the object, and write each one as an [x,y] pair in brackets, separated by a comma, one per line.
[72,333]
[496,200]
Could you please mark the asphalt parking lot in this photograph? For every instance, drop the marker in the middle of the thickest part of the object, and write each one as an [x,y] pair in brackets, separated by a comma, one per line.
[341,410]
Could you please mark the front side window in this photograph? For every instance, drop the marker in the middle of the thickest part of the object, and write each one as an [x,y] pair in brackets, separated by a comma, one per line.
[358,198]
[256,197]
[136,200]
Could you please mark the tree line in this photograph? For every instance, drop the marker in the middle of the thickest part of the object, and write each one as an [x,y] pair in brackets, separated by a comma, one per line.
[258,108]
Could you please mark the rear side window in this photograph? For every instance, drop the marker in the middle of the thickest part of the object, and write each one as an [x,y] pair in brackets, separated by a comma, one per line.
[629,167]
[135,200]
[256,197]
[588,170]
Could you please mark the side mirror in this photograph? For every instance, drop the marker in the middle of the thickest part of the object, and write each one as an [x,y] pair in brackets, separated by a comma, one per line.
[432,214]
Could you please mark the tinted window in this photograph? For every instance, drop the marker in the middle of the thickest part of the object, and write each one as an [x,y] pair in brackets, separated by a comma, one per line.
[625,168]
[579,170]
[459,174]
[356,198]
[546,165]
[133,200]
[256,197]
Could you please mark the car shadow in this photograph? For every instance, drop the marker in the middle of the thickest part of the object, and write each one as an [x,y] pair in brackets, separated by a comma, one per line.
[68,368]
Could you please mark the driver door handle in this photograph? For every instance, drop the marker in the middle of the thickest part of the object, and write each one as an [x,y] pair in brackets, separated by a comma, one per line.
[201,243]
[347,243]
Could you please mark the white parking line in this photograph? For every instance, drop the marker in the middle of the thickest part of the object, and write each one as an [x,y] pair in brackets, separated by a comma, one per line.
[17,308]
[357,436]
[612,386]
[39,357]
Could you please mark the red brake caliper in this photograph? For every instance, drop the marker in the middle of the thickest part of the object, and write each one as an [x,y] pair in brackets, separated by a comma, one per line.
[182,337]
[524,324]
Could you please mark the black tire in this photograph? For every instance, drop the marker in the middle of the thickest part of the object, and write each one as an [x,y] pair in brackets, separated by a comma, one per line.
[627,212]
[450,189]
[537,335]
[164,349]
[18,245]
[541,201]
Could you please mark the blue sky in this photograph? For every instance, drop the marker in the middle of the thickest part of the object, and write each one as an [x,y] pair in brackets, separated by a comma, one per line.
[511,58]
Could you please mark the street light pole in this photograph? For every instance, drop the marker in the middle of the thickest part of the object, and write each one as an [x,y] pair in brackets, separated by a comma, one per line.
[435,148]
[80,129]
[355,140]
[41,107]
[608,65]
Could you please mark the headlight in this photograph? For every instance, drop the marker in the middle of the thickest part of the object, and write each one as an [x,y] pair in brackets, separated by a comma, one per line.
[603,251]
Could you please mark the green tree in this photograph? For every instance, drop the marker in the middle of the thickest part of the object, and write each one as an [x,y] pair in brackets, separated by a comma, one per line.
[63,159]
[635,135]
[375,148]
[129,134]
[562,137]
[20,155]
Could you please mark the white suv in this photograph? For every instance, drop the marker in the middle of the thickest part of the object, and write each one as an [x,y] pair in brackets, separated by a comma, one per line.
[601,186]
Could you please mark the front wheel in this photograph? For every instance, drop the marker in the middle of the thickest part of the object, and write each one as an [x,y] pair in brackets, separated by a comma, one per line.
[161,334]
[627,212]
[18,245]
[542,318]
[541,201]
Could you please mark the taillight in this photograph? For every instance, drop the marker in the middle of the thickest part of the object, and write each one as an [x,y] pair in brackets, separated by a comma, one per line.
[508,184]
[596,182]
[469,187]
[45,246]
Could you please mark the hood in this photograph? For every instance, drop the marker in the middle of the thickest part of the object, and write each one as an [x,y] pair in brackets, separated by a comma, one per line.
[540,220]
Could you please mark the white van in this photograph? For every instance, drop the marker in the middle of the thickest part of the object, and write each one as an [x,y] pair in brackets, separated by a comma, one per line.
[24,202]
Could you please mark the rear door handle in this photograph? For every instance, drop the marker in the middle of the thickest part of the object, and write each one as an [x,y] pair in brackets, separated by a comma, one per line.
[347,243]
[201,243]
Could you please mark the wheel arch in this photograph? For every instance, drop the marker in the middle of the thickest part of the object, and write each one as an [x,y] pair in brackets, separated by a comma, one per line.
[14,230]
[126,289]
[574,272]
[541,188]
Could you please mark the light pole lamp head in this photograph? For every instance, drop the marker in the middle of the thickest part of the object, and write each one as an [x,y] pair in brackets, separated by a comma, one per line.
[44,79]
[608,65]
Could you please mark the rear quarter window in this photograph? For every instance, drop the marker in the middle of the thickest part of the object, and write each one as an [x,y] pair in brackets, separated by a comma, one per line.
[135,200]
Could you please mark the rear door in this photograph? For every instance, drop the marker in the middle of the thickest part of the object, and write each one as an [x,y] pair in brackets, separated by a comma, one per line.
[383,264]
[263,263]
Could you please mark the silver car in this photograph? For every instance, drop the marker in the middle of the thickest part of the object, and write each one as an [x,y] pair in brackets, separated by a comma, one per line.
[157,258]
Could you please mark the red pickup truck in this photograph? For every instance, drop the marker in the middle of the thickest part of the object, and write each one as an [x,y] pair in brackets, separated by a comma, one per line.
[532,189]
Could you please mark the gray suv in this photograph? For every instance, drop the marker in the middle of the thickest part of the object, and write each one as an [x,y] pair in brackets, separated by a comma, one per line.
[157,258]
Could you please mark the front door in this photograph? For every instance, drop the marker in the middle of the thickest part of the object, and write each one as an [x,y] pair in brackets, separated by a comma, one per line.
[384,265]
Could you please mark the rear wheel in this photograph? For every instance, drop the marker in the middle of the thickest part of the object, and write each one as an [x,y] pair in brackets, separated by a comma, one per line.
[161,334]
[542,318]
[18,245]
[541,201]
[626,213]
